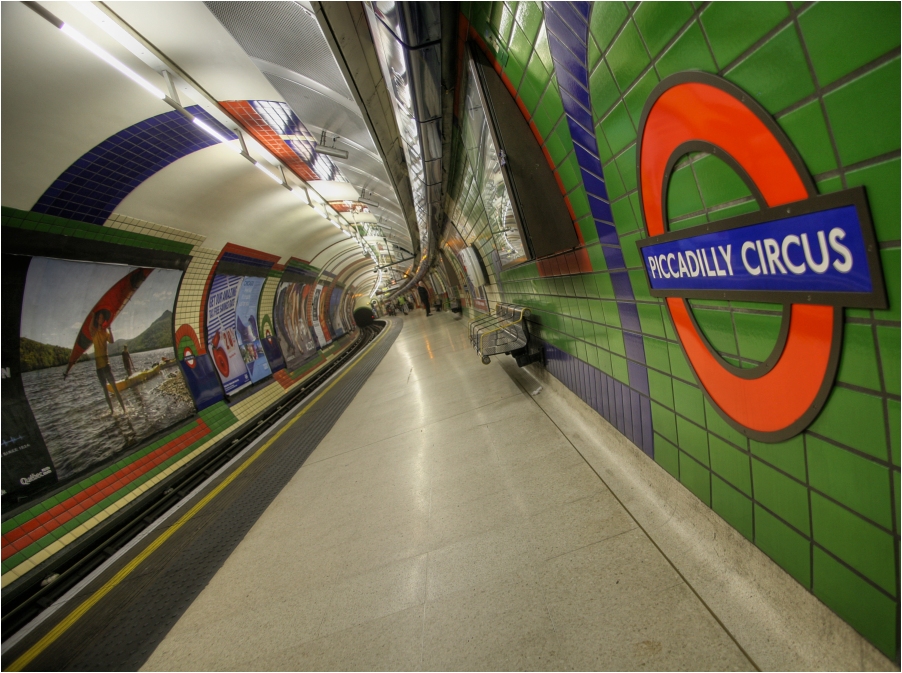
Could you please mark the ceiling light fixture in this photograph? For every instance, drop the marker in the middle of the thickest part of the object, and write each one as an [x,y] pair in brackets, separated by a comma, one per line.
[109,58]
[301,194]
[321,148]
[268,172]
[332,152]
[216,134]
[368,202]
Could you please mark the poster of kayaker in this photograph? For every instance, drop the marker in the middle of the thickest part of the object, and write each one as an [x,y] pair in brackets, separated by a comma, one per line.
[248,331]
[96,351]
[222,333]
[290,317]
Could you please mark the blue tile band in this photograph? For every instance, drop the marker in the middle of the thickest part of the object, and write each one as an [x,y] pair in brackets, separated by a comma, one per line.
[567,25]
[91,188]
[625,408]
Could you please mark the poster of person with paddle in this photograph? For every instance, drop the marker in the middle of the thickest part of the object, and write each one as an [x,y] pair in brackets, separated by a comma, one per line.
[101,335]
[77,319]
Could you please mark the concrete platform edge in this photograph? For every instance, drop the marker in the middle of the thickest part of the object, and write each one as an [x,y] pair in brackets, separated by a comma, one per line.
[716,560]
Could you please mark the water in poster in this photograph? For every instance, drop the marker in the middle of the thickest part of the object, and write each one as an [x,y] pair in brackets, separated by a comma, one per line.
[222,335]
[97,358]
[248,331]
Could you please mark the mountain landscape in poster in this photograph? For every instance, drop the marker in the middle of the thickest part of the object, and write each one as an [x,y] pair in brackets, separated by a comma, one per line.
[99,409]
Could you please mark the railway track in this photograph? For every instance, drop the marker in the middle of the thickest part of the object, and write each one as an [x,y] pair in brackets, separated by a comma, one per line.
[25,601]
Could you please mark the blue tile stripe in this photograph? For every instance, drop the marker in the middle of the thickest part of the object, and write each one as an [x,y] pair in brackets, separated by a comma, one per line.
[245,259]
[568,34]
[91,188]
[567,27]
[625,408]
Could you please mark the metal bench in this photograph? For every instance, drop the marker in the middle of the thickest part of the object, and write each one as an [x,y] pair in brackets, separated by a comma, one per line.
[504,332]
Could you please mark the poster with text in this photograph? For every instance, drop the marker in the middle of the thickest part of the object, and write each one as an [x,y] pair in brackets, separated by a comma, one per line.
[222,333]
[250,344]
[97,358]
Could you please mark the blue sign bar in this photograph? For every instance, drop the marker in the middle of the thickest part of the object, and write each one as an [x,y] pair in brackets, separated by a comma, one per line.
[827,251]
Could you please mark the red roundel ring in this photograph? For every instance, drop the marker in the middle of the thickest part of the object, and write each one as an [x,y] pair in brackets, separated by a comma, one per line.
[697,107]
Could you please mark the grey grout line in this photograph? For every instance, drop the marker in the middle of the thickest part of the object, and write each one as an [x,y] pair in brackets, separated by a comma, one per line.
[646,533]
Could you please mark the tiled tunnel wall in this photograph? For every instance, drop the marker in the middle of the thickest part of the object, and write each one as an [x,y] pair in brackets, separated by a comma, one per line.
[825,504]
[46,526]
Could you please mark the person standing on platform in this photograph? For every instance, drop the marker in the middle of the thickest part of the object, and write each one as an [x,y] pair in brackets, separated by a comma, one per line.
[424,297]
[127,361]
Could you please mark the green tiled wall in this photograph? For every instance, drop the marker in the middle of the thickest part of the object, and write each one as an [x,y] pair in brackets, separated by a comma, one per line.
[824,504]
[51,224]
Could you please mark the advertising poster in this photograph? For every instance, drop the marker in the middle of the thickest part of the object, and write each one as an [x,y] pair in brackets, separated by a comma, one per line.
[271,345]
[26,463]
[338,327]
[97,358]
[250,344]
[222,335]
[290,317]
[319,326]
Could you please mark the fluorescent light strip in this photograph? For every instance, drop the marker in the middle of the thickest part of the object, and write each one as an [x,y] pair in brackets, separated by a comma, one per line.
[312,200]
[105,56]
[377,285]
[114,30]
[264,169]
[216,134]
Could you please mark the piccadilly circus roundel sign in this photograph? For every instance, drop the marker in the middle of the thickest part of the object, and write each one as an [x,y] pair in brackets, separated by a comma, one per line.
[812,254]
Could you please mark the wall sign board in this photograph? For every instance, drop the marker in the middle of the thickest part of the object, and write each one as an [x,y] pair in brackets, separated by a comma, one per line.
[813,254]
[816,251]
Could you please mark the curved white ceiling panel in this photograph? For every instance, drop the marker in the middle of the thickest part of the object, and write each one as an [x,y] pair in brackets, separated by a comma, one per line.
[192,37]
[217,194]
[60,100]
[284,33]
[78,121]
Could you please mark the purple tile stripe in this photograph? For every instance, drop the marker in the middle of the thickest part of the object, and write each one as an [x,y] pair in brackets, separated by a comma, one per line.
[625,408]
[91,188]
[568,33]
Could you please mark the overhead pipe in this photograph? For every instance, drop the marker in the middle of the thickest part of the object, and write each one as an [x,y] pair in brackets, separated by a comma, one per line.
[408,43]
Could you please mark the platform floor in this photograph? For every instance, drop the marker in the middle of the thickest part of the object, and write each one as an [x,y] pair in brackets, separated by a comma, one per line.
[452,520]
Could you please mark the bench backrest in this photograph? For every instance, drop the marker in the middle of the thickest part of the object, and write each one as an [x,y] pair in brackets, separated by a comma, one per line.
[510,312]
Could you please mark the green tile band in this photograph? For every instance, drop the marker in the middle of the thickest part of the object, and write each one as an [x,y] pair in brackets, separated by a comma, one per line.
[22,219]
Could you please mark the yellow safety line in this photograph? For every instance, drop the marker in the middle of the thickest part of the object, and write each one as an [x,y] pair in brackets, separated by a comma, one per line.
[111,584]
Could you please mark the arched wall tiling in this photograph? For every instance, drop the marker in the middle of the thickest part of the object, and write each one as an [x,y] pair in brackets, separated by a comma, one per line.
[91,188]
[231,329]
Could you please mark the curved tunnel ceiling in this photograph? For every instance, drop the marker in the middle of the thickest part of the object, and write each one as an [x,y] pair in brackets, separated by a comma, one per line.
[70,103]
[286,43]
